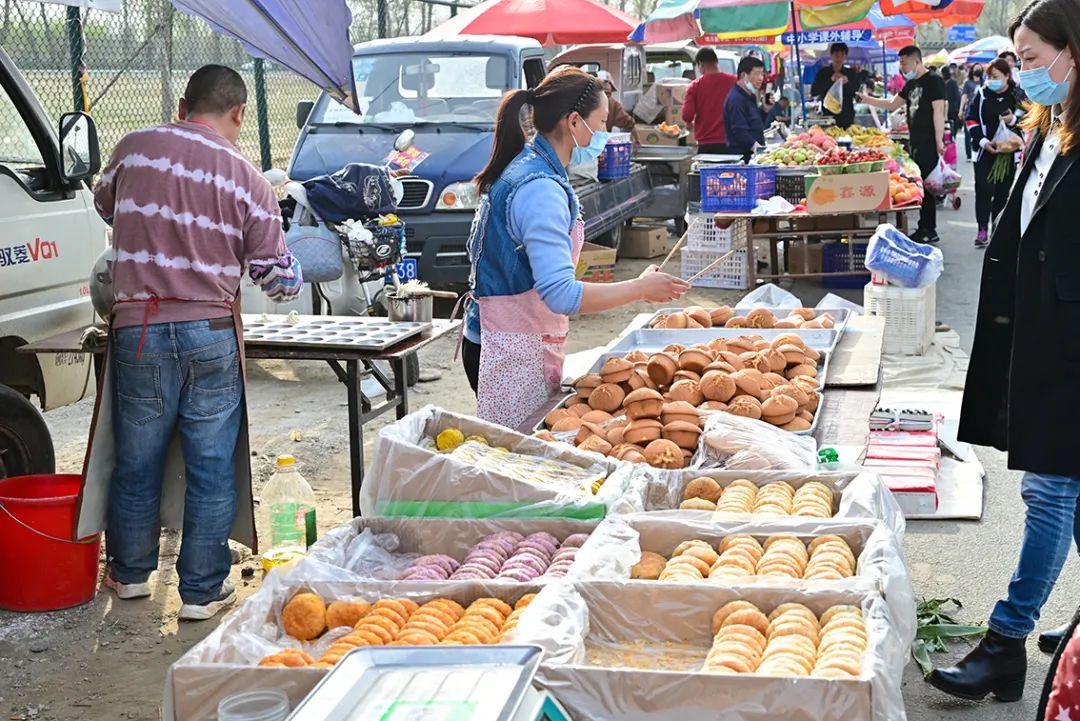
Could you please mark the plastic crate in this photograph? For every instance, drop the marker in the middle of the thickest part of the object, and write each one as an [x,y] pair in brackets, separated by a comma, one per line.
[837,257]
[702,233]
[736,188]
[729,275]
[791,187]
[614,162]
[909,313]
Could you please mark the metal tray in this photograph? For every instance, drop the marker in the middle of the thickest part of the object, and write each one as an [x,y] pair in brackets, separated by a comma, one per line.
[330,331]
[840,318]
[480,683]
[654,341]
[823,369]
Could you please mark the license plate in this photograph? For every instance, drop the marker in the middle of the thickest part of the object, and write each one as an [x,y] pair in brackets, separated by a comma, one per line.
[407,269]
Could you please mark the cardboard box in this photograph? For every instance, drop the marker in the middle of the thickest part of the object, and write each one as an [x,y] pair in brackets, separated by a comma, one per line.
[804,258]
[651,135]
[673,116]
[639,680]
[596,264]
[858,193]
[645,241]
[671,92]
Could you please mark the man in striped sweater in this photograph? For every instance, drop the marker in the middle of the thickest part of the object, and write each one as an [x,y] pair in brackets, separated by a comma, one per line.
[189,213]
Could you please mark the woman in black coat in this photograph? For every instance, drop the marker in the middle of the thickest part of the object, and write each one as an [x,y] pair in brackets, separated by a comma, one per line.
[1023,383]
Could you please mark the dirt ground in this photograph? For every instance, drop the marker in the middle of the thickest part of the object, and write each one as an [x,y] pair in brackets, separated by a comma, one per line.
[107,659]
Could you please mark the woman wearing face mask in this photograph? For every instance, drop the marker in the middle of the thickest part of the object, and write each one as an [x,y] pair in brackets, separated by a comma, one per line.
[524,247]
[974,82]
[991,106]
[1029,300]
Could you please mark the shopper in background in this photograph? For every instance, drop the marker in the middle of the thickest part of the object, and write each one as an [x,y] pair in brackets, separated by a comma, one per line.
[952,96]
[993,105]
[924,95]
[189,213]
[617,117]
[779,112]
[971,84]
[1028,300]
[836,71]
[1014,71]
[744,120]
[703,106]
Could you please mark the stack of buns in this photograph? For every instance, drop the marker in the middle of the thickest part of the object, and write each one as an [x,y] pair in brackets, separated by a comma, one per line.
[827,558]
[763,318]
[791,641]
[812,499]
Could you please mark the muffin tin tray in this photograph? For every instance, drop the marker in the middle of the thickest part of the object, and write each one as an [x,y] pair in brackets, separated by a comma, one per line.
[330,331]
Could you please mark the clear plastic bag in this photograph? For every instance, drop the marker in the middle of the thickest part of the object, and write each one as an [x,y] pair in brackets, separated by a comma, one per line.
[901,260]
[942,179]
[769,295]
[408,477]
[571,622]
[834,99]
[738,443]
[616,545]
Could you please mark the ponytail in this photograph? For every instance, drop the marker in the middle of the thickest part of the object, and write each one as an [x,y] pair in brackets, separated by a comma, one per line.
[509,138]
[564,91]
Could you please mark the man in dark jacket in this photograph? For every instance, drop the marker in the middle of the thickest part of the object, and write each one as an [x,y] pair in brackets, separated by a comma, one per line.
[743,119]
[834,72]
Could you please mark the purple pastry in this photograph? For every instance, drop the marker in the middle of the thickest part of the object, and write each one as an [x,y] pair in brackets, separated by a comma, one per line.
[425,573]
[529,562]
[493,547]
[545,539]
[444,562]
[521,575]
[575,541]
[489,562]
[542,549]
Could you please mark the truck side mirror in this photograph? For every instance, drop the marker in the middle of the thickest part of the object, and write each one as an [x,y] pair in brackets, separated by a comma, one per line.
[303,110]
[80,157]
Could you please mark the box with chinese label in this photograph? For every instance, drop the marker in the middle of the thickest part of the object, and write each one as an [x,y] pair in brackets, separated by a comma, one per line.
[596,264]
[857,193]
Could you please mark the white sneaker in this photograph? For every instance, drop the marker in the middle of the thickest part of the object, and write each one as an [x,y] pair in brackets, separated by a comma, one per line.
[127,591]
[204,611]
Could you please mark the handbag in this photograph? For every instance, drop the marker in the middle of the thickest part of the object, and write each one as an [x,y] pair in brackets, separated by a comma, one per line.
[316,248]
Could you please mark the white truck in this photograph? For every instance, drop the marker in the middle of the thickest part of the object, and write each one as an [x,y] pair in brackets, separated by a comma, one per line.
[50,236]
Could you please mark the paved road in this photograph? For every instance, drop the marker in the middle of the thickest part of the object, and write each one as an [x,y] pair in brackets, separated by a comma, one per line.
[974,560]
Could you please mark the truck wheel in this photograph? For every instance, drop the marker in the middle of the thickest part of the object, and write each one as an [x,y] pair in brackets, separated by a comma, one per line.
[25,443]
[612,238]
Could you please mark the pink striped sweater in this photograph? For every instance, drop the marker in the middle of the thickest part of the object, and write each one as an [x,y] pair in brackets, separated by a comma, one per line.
[188,212]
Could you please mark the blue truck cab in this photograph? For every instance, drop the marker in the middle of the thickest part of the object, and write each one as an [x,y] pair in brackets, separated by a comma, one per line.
[448,92]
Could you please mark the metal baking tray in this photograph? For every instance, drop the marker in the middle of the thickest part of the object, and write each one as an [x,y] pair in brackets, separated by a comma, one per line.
[479,683]
[330,331]
[654,341]
[840,317]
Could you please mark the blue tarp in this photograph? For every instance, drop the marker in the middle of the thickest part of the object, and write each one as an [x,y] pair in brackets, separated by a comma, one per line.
[290,33]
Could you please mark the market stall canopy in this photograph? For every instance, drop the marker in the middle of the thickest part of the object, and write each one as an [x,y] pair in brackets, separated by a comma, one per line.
[723,20]
[947,12]
[551,22]
[982,50]
[314,45]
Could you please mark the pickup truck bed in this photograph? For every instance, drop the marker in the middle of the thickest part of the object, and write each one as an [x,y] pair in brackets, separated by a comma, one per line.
[608,205]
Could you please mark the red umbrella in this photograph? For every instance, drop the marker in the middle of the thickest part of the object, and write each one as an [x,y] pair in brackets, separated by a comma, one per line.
[552,22]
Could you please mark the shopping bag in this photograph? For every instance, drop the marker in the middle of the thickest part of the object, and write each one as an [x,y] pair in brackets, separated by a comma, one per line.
[1005,139]
[901,260]
[834,99]
[316,248]
[942,179]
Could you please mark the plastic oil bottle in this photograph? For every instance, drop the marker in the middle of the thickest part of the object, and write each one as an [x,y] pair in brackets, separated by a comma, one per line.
[290,514]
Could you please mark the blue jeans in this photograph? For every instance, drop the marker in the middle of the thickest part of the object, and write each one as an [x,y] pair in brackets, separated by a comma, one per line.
[187,379]
[1051,525]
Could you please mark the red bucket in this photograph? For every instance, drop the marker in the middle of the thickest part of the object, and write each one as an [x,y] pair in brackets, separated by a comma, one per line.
[39,570]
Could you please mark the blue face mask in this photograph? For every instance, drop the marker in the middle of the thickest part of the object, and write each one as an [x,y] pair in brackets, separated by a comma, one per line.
[995,85]
[911,75]
[588,153]
[1041,88]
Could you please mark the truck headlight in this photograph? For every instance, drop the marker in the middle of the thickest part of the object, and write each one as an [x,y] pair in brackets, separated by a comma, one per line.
[458,196]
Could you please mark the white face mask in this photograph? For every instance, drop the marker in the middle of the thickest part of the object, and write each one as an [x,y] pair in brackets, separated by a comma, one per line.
[750,86]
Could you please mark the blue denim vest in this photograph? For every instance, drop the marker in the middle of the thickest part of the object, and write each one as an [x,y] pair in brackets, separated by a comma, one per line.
[500,265]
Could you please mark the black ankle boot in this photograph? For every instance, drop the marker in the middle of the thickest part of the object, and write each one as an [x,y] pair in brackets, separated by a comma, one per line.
[998,665]
[1050,640]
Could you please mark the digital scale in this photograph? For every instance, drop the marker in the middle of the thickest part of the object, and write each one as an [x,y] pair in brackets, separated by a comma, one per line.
[432,683]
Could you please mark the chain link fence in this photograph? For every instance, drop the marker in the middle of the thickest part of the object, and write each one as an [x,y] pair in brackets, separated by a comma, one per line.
[129,69]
